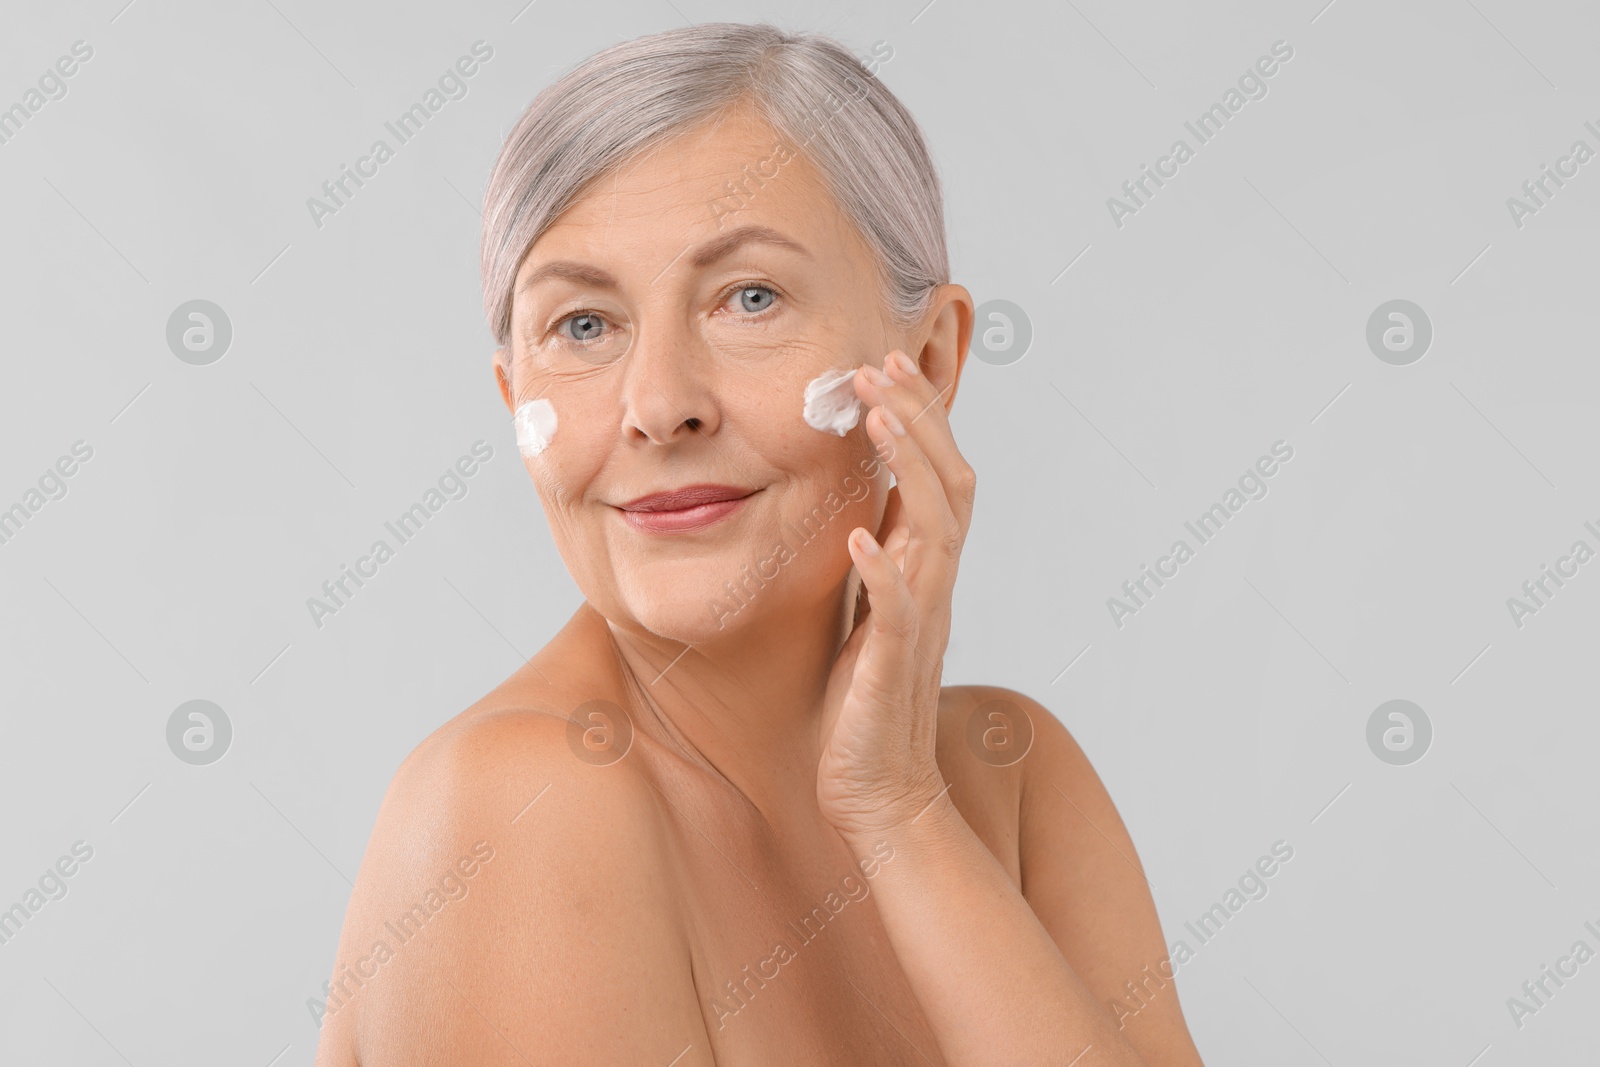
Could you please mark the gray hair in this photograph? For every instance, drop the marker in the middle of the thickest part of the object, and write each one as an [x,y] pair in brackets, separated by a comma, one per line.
[633,96]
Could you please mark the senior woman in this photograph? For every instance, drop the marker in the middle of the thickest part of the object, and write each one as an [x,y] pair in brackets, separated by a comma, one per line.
[728,815]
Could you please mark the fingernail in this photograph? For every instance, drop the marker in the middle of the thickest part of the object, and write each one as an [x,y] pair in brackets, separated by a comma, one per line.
[892,422]
[907,364]
[866,544]
[876,376]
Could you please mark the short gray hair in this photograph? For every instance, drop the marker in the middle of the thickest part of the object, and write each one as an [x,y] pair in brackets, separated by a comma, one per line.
[633,96]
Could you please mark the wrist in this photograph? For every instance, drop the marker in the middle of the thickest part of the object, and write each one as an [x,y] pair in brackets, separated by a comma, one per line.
[921,819]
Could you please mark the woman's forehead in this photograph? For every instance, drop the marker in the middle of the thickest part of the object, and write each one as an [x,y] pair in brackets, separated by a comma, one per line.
[700,185]
[601,248]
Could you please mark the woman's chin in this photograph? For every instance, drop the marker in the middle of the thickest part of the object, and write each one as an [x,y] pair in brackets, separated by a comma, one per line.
[701,606]
[696,618]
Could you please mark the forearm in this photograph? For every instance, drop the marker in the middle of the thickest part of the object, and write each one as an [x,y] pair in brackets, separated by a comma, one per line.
[991,982]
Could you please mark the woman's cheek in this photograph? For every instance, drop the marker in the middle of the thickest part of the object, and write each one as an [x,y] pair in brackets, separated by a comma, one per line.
[535,423]
[562,463]
[767,374]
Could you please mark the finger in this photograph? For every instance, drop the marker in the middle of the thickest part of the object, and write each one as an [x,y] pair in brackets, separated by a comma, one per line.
[894,627]
[894,610]
[896,546]
[919,405]
[892,531]
[930,425]
[935,534]
[863,609]
[891,525]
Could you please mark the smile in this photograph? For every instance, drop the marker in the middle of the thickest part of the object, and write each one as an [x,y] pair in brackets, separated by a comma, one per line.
[694,507]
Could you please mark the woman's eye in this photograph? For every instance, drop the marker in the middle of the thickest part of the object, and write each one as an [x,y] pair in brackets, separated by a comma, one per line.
[585,327]
[589,336]
[588,332]
[756,298]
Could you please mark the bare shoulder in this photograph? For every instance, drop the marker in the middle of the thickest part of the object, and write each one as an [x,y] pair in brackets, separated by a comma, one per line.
[512,893]
[987,725]
[1080,871]
[1028,759]
[984,737]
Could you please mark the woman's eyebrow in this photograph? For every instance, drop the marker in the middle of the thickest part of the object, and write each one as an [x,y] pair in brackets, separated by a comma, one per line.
[581,273]
[717,248]
[728,243]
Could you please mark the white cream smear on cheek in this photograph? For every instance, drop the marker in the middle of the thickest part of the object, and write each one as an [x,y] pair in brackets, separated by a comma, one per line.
[536,426]
[831,403]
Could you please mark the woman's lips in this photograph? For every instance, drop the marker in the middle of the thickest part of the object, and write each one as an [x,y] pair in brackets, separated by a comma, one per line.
[693,507]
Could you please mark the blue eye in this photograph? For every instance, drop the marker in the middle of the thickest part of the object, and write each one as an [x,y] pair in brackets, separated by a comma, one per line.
[588,326]
[587,335]
[751,295]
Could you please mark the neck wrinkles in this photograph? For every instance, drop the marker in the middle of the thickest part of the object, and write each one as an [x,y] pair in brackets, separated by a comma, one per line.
[747,708]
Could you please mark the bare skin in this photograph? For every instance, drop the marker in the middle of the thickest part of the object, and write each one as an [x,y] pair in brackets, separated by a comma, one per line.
[707,827]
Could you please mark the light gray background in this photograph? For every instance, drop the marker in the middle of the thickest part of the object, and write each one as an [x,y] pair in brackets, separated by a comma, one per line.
[1227,314]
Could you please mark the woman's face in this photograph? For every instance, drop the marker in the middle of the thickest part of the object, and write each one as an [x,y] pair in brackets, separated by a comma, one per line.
[673,318]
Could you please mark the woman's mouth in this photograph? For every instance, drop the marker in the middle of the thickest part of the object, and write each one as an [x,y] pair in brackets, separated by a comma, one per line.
[693,507]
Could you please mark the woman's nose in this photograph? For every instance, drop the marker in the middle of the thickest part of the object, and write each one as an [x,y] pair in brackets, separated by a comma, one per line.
[667,392]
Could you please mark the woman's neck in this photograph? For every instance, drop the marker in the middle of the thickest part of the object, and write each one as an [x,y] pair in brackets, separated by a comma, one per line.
[748,705]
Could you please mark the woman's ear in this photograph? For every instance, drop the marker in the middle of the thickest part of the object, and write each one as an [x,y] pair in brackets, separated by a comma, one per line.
[944,353]
[502,376]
